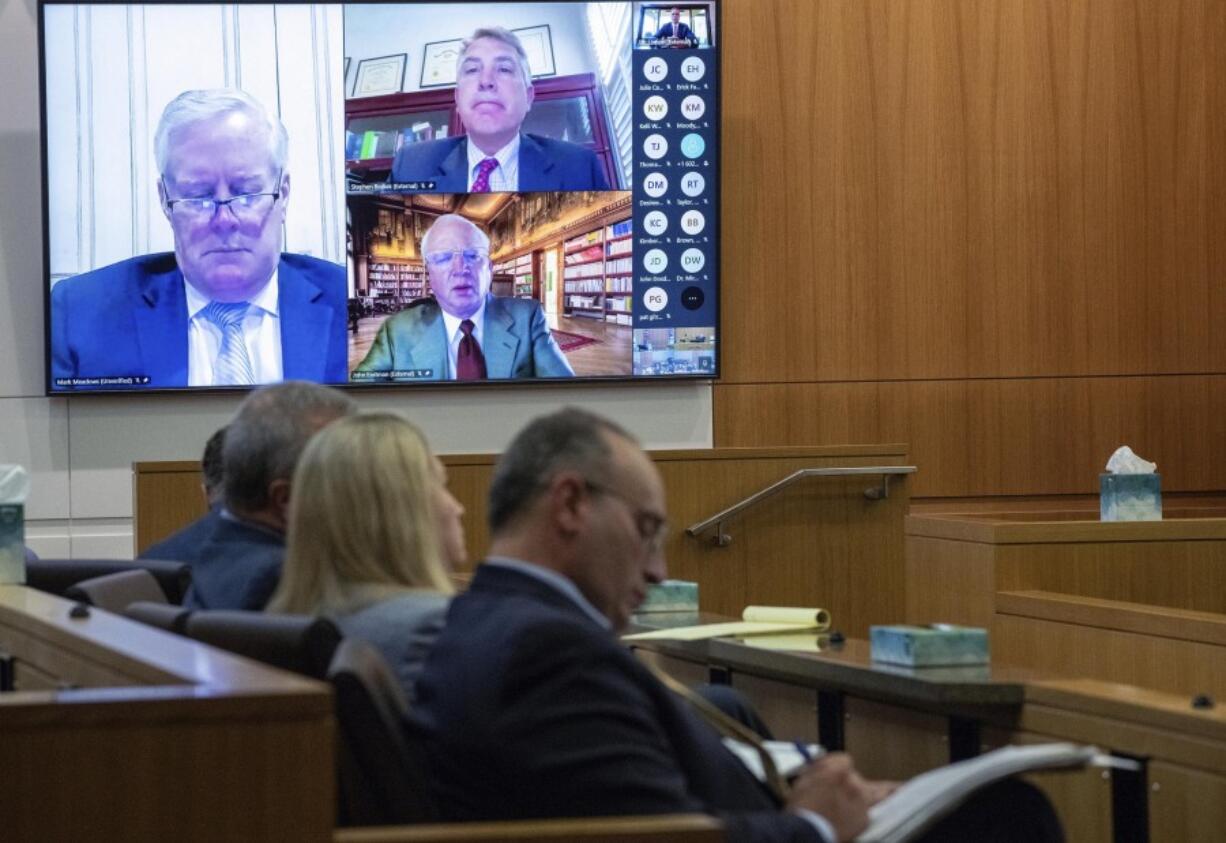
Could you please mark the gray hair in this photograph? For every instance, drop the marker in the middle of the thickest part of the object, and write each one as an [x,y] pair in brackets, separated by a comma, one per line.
[196,106]
[212,471]
[568,440]
[425,238]
[507,37]
[266,437]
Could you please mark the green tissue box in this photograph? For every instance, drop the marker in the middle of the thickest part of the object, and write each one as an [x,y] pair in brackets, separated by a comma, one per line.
[671,596]
[929,646]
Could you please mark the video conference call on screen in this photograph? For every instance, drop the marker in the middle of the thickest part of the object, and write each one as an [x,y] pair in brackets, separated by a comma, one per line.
[379,193]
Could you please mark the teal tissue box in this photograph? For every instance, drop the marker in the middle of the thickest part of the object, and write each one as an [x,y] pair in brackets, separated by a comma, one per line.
[1130,497]
[928,646]
[671,596]
[12,543]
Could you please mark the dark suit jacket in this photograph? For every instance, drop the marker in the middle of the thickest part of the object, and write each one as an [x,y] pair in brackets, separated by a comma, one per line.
[130,318]
[185,545]
[516,342]
[527,708]
[544,164]
[238,566]
[683,31]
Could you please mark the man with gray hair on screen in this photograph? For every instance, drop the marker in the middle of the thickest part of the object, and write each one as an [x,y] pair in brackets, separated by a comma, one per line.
[463,333]
[227,307]
[493,95]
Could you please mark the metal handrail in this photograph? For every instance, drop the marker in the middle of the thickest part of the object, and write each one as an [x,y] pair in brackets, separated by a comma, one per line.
[722,539]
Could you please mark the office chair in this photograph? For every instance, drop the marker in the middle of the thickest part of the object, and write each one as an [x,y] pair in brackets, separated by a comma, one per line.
[297,643]
[381,777]
[164,616]
[56,576]
[114,592]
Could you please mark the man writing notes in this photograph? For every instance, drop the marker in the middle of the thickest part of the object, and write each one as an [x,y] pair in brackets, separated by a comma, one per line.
[529,706]
[227,307]
[493,95]
[463,333]
[676,33]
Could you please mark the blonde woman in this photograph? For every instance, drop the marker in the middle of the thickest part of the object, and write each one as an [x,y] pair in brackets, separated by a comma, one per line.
[373,533]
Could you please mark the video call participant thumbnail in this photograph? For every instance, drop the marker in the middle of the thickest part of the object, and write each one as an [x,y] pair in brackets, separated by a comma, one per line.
[227,307]
[463,333]
[675,33]
[493,96]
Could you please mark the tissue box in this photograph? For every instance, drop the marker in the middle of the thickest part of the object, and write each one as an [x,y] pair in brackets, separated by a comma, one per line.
[1130,497]
[927,646]
[12,543]
[671,596]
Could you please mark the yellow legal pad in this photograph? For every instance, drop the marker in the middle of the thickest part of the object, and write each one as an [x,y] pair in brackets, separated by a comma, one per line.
[755,620]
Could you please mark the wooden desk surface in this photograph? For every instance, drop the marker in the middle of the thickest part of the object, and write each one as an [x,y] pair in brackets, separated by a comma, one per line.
[1061,527]
[848,668]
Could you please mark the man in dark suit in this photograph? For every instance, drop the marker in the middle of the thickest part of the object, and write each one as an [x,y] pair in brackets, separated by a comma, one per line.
[675,31]
[463,333]
[237,565]
[184,545]
[227,307]
[493,96]
[529,706]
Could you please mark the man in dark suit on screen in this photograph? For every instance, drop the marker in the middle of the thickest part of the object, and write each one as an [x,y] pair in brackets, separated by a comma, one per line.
[529,706]
[676,33]
[493,96]
[227,307]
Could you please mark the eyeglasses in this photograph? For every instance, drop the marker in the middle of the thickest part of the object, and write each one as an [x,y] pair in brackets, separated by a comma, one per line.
[245,206]
[652,527]
[469,256]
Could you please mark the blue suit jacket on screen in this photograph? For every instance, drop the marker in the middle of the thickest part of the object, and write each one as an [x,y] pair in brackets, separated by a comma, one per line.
[683,31]
[527,708]
[516,342]
[544,164]
[130,318]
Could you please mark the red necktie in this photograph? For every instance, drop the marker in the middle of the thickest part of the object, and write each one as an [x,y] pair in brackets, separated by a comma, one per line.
[481,184]
[469,361]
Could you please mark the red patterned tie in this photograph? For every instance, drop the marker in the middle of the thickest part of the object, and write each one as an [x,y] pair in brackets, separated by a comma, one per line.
[481,184]
[469,361]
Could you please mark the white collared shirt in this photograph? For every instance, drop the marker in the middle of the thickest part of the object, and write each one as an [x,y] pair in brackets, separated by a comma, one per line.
[261,334]
[451,324]
[503,178]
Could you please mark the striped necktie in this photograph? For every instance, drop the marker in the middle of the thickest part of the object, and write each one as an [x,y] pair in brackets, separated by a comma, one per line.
[232,366]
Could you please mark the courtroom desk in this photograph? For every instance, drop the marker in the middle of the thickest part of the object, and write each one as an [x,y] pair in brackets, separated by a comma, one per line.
[841,699]
[1138,602]
[118,731]
[898,722]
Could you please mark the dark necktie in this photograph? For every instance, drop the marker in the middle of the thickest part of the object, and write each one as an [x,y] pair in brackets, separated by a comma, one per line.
[481,184]
[469,361]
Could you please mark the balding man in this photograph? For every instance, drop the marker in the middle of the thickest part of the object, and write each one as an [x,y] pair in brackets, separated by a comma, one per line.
[529,705]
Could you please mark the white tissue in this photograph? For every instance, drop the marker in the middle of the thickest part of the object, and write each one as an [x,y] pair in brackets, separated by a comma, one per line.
[1124,461]
[14,484]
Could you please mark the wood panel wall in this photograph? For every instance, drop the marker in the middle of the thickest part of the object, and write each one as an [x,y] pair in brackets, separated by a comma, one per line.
[993,229]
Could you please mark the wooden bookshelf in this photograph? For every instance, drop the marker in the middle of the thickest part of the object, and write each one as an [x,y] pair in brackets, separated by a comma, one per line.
[520,269]
[401,280]
[597,274]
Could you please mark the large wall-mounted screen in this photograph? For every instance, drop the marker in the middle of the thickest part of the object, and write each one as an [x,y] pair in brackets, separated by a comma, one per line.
[379,193]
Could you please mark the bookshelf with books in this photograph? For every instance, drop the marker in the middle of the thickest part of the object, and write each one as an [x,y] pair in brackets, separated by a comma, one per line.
[522,275]
[596,278]
[402,281]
